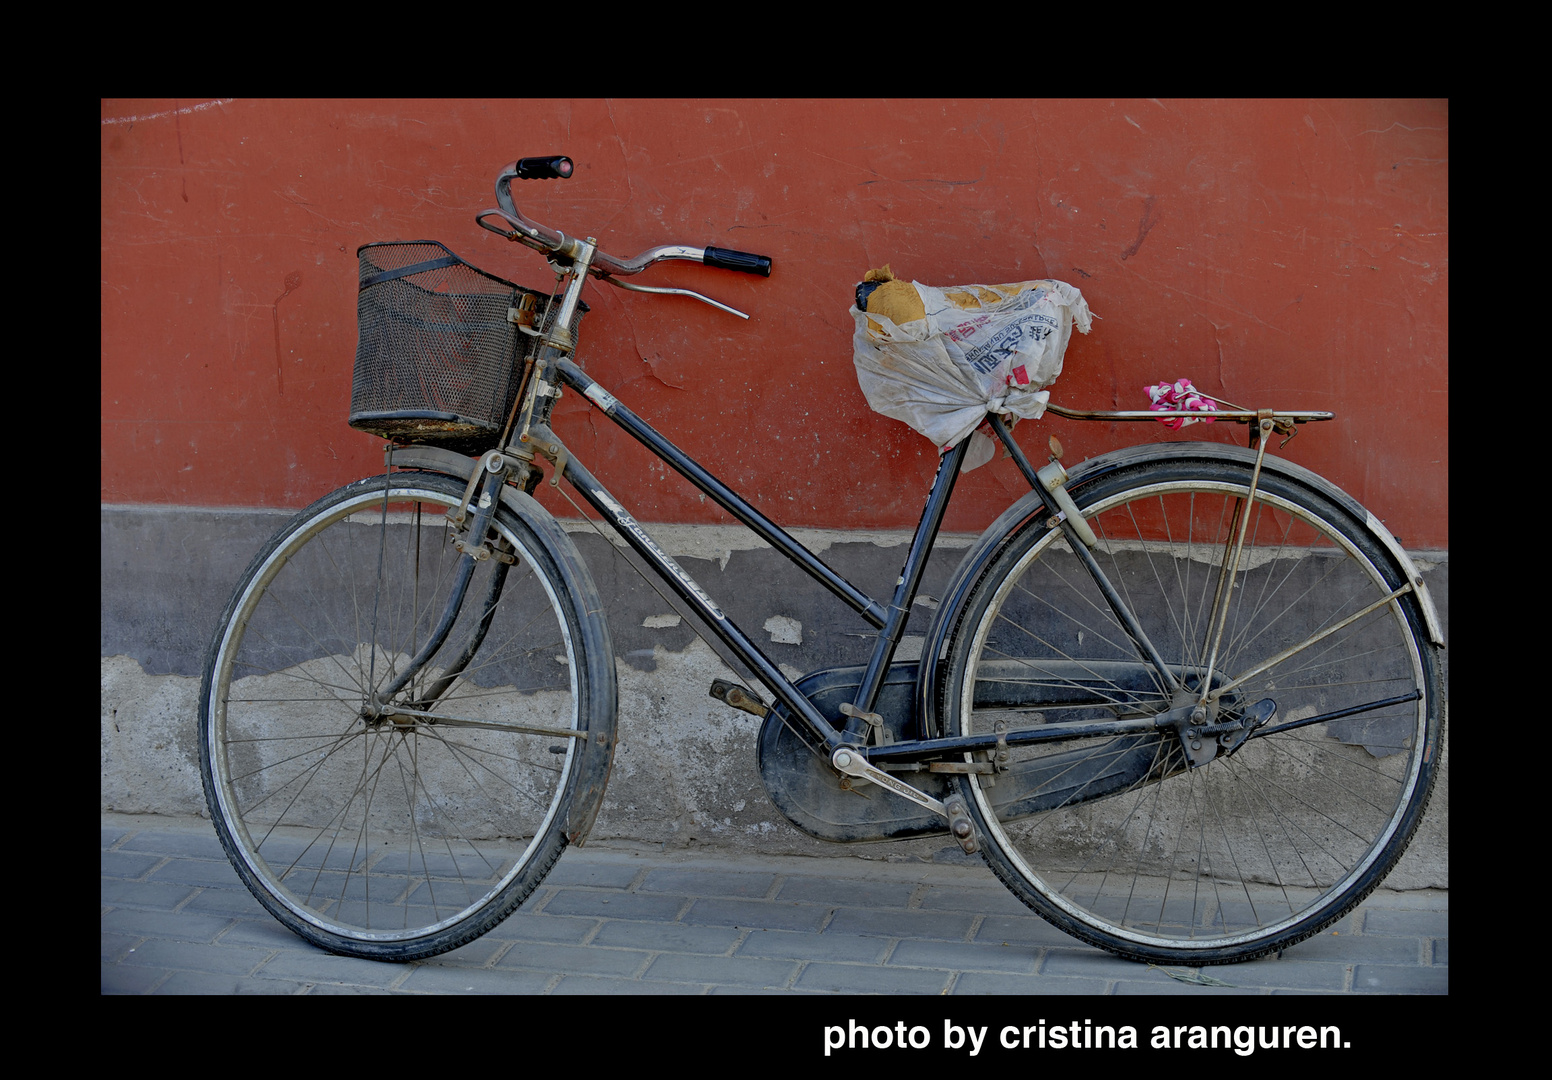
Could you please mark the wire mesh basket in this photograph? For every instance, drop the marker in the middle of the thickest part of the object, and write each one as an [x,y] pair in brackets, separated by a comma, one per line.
[438,359]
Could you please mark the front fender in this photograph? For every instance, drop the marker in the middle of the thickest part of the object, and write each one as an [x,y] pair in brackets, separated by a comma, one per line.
[597,758]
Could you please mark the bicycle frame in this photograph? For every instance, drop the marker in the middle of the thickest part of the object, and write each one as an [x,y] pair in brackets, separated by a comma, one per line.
[889,620]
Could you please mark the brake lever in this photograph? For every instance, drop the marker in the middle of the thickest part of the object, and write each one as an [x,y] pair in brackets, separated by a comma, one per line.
[674,292]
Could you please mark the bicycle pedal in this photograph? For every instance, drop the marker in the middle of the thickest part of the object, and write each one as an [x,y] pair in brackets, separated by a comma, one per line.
[960,827]
[739,698]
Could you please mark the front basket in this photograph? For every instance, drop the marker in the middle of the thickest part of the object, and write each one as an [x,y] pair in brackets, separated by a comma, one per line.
[438,357]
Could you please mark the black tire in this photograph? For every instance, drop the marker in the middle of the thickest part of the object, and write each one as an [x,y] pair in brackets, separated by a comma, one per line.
[1114,839]
[394,834]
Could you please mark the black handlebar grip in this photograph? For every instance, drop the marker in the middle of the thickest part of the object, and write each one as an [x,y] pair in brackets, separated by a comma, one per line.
[543,168]
[742,261]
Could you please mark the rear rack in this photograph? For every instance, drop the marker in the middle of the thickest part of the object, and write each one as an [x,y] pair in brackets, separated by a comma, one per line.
[1242,416]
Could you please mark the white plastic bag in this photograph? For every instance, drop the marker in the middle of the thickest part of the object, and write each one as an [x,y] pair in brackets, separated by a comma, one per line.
[974,349]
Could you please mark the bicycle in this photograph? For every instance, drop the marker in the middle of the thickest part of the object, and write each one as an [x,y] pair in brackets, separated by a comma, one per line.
[1186,698]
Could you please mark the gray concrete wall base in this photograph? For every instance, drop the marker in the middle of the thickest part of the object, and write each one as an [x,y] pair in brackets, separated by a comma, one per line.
[150,743]
[685,772]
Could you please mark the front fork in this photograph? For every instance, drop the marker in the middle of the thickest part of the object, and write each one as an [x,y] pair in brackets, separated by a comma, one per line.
[476,547]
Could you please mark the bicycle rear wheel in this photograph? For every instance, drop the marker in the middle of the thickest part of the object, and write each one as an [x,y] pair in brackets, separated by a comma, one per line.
[1118,840]
[397,829]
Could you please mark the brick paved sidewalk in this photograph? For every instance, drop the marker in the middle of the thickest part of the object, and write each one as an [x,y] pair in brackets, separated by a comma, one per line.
[608,920]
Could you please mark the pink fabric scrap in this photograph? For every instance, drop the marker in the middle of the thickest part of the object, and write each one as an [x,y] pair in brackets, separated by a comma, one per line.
[1179,395]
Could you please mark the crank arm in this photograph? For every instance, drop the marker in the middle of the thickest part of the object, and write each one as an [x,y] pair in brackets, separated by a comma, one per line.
[849,761]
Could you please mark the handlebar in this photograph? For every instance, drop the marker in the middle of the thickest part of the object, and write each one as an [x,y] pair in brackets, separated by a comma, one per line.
[526,231]
[555,167]
[742,261]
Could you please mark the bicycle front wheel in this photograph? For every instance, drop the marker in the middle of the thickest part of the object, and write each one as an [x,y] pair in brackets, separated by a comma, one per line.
[1123,841]
[394,826]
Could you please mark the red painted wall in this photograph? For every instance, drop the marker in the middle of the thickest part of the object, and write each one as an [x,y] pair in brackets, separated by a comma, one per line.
[1288,252]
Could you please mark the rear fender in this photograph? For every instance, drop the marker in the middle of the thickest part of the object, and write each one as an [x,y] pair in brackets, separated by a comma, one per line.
[1030,512]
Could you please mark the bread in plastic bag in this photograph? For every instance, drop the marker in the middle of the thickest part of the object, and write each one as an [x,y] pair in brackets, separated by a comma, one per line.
[941,359]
